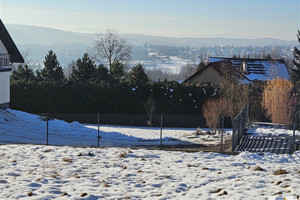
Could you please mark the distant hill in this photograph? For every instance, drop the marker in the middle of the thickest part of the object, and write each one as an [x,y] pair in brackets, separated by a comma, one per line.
[24,34]
[70,46]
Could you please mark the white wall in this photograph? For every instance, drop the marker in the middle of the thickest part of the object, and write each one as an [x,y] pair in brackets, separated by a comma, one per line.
[4,87]
[2,48]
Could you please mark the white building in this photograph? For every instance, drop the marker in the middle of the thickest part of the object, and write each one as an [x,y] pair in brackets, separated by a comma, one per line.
[9,54]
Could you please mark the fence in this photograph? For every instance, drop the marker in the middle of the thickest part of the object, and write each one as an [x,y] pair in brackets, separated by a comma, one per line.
[184,121]
[239,127]
[164,140]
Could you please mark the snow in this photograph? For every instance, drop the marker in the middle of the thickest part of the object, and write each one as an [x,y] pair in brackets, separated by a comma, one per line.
[49,172]
[171,64]
[20,127]
[118,171]
[270,129]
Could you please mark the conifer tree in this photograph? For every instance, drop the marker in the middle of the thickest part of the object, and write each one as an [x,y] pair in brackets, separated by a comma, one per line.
[117,71]
[85,70]
[52,70]
[296,69]
[137,75]
[103,74]
[23,73]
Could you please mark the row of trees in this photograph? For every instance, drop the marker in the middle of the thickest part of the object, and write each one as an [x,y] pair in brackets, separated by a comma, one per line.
[85,70]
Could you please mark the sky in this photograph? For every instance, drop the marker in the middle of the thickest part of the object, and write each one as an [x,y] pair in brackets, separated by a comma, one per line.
[175,18]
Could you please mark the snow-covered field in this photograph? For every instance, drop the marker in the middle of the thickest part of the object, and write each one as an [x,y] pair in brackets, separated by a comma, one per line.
[48,172]
[120,172]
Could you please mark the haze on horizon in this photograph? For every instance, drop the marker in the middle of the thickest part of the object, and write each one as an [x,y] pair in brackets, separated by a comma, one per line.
[174,18]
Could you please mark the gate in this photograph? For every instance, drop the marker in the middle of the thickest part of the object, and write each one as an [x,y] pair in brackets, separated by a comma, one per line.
[239,127]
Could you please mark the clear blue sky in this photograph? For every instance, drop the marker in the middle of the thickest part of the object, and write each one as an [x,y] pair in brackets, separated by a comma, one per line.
[195,18]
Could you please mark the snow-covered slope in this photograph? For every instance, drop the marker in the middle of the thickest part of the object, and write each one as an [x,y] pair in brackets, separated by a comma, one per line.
[21,127]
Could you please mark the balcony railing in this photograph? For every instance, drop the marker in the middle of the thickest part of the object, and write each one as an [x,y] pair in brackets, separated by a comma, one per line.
[4,60]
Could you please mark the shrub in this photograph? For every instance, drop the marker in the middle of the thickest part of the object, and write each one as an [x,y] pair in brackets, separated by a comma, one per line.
[278,101]
[213,110]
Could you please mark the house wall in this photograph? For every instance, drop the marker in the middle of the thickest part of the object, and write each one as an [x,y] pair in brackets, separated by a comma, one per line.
[4,88]
[2,48]
[207,75]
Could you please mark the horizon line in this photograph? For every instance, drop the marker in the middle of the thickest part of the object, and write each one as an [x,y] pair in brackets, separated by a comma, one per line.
[207,36]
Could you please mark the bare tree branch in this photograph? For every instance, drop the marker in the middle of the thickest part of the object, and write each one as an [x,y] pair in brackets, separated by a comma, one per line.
[111,48]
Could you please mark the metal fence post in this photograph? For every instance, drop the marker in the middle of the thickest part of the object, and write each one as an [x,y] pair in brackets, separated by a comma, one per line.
[293,139]
[161,124]
[98,137]
[47,119]
[222,130]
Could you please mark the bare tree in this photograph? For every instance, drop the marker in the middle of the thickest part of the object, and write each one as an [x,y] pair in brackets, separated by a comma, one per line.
[111,48]
[233,88]
[187,70]
[150,106]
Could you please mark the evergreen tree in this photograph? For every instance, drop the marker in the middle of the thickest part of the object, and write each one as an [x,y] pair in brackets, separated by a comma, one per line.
[52,71]
[117,71]
[102,74]
[137,75]
[23,73]
[85,70]
[296,69]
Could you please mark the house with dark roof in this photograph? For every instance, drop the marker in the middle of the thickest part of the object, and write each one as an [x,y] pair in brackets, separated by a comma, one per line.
[9,54]
[251,69]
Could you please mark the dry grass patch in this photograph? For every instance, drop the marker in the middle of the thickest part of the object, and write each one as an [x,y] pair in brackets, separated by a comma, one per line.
[278,183]
[280,172]
[55,176]
[285,186]
[277,193]
[123,154]
[68,160]
[217,190]
[224,193]
[64,194]
[83,194]
[76,176]
[258,168]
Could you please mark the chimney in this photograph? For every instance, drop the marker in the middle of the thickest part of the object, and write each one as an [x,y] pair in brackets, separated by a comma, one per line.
[244,67]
